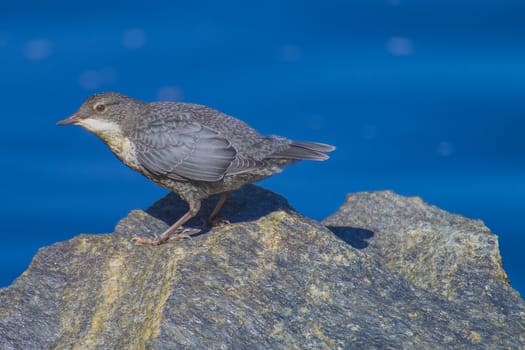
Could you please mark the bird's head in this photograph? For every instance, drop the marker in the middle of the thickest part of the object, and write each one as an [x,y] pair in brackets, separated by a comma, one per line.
[106,113]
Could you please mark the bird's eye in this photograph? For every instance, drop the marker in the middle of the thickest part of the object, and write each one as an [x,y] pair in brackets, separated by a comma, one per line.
[99,107]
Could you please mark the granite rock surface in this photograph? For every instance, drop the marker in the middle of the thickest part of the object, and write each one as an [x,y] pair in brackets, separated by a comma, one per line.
[383,272]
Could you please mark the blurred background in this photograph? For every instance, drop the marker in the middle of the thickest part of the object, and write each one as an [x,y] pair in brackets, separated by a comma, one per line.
[422,97]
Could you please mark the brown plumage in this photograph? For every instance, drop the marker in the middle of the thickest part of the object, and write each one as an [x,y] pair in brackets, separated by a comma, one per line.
[190,149]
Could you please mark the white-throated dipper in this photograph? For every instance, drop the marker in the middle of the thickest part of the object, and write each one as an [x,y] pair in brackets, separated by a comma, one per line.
[193,150]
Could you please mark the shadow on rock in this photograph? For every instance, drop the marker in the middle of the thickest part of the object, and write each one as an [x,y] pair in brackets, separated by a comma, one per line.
[356,237]
[246,204]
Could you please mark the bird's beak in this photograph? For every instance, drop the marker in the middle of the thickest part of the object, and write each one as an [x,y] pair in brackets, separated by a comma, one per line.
[68,121]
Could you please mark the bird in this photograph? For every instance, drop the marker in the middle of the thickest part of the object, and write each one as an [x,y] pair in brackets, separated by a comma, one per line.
[190,149]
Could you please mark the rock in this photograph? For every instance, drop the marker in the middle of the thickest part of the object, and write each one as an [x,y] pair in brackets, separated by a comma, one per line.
[389,272]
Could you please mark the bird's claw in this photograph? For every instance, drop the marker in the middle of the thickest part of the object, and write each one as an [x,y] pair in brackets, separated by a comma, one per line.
[178,237]
[189,231]
[146,241]
[185,233]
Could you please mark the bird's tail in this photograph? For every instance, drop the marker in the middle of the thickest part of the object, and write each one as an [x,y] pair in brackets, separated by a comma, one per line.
[305,150]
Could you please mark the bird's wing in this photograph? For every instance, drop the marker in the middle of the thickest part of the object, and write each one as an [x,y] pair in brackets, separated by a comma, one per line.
[182,149]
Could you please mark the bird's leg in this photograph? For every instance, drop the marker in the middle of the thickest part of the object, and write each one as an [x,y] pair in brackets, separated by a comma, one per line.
[211,219]
[166,235]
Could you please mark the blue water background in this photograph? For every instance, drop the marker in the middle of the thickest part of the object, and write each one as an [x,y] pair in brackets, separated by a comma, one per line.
[425,98]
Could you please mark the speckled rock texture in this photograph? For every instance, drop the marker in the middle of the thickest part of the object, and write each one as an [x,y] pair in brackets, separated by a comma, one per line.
[383,272]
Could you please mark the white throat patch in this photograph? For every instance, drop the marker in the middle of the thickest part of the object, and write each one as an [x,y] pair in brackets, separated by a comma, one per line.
[112,135]
[100,126]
